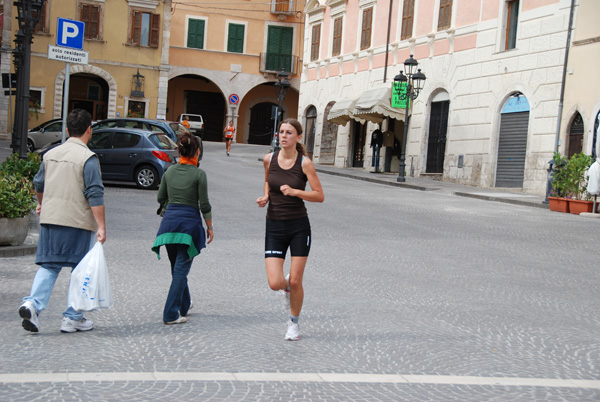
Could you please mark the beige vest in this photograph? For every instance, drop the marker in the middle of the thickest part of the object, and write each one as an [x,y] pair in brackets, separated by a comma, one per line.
[64,202]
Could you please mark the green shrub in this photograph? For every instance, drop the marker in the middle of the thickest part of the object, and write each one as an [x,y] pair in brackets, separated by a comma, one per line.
[569,179]
[17,194]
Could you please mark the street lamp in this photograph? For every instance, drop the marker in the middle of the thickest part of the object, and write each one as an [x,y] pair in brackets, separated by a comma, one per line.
[414,84]
[283,85]
[28,15]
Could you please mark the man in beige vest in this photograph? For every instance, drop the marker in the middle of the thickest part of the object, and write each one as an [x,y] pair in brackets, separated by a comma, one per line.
[71,208]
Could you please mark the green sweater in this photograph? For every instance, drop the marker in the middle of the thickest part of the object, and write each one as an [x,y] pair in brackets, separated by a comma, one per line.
[185,185]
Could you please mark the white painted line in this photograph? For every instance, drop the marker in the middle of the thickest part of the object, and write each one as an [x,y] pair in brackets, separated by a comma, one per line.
[23,378]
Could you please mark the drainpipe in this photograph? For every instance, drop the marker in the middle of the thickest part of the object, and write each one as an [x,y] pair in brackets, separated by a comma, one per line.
[387,43]
[564,77]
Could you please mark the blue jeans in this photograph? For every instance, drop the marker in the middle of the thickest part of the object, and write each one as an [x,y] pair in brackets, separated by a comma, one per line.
[178,299]
[42,289]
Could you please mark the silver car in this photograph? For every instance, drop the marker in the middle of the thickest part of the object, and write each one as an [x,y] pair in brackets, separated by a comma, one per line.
[44,134]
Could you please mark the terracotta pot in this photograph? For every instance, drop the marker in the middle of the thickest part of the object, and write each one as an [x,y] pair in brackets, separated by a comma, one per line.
[13,231]
[579,206]
[558,204]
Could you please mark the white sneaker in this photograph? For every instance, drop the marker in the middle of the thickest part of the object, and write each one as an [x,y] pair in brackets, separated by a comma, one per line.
[293,332]
[180,320]
[69,325]
[29,316]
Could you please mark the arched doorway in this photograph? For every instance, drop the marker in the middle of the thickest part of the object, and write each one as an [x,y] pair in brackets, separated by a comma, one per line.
[359,133]
[89,92]
[575,136]
[309,130]
[328,138]
[512,142]
[262,118]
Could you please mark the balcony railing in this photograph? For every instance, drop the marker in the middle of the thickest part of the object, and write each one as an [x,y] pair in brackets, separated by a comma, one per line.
[275,62]
[283,7]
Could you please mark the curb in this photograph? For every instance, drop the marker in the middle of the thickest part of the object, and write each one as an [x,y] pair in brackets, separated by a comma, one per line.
[17,251]
[374,180]
[504,200]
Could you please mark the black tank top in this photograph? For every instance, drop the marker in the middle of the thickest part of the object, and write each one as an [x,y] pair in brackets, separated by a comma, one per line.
[283,207]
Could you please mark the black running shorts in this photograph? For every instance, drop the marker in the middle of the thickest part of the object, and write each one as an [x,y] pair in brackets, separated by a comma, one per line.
[292,233]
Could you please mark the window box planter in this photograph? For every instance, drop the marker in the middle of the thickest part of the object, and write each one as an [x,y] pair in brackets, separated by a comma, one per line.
[579,206]
[558,204]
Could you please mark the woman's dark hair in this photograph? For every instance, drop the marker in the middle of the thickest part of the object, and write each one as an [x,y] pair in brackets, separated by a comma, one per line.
[298,126]
[187,145]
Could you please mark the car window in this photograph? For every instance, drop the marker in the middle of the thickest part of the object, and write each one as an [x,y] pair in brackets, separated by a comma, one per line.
[134,124]
[158,129]
[194,117]
[54,127]
[99,140]
[125,140]
[106,124]
[179,129]
[162,141]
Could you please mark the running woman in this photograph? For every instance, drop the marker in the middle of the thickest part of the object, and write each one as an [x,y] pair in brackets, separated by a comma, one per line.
[286,174]
[228,135]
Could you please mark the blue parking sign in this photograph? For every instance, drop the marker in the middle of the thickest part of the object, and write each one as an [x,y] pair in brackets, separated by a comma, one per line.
[69,33]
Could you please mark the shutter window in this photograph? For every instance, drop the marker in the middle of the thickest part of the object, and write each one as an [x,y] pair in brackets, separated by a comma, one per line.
[154,30]
[315,42]
[235,40]
[367,23]
[407,19]
[279,48]
[136,27]
[90,15]
[445,17]
[195,34]
[337,37]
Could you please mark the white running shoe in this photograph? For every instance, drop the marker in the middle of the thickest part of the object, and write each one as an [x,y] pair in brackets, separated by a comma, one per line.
[68,325]
[293,332]
[29,316]
[180,320]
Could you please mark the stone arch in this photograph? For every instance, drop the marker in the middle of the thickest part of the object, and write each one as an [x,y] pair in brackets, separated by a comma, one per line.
[85,68]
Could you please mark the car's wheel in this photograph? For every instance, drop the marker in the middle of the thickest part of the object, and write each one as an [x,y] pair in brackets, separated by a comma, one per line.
[30,146]
[146,177]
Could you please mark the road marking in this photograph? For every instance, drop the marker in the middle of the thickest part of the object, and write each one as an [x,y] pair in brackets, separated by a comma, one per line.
[21,378]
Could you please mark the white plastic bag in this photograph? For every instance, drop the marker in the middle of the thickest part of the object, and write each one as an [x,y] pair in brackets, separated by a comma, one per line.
[90,285]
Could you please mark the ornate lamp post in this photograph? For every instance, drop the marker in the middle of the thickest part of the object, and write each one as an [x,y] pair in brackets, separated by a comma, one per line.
[414,82]
[28,15]
[282,85]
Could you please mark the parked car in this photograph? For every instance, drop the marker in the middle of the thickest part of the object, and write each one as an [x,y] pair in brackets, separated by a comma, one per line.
[195,121]
[133,155]
[171,128]
[45,133]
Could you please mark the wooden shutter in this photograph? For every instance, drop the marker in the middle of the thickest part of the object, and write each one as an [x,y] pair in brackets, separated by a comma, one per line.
[41,25]
[154,30]
[315,42]
[445,14]
[279,48]
[367,23]
[235,39]
[90,15]
[196,34]
[282,5]
[407,19]
[337,37]
[136,27]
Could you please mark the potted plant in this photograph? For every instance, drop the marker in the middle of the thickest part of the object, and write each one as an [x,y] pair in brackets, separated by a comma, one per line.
[17,197]
[558,196]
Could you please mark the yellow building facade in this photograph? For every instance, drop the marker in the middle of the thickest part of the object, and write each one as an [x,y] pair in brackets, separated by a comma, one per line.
[124,41]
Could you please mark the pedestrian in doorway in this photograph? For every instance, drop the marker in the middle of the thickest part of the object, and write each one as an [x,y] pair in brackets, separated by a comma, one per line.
[228,135]
[286,174]
[70,197]
[183,191]
[376,144]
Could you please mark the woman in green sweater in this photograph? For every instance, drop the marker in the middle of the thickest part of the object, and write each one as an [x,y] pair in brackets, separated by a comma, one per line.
[183,190]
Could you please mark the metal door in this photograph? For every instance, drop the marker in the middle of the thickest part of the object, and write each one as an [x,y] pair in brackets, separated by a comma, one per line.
[438,128]
[512,147]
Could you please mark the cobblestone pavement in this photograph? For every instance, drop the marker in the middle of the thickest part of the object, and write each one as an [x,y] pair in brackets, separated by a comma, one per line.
[409,295]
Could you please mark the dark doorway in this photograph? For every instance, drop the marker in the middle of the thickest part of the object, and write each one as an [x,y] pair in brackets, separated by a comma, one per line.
[88,92]
[576,136]
[211,105]
[261,123]
[358,144]
[311,118]
[438,128]
[328,139]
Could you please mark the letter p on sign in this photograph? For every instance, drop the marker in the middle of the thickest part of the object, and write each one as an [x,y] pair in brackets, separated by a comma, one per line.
[69,33]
